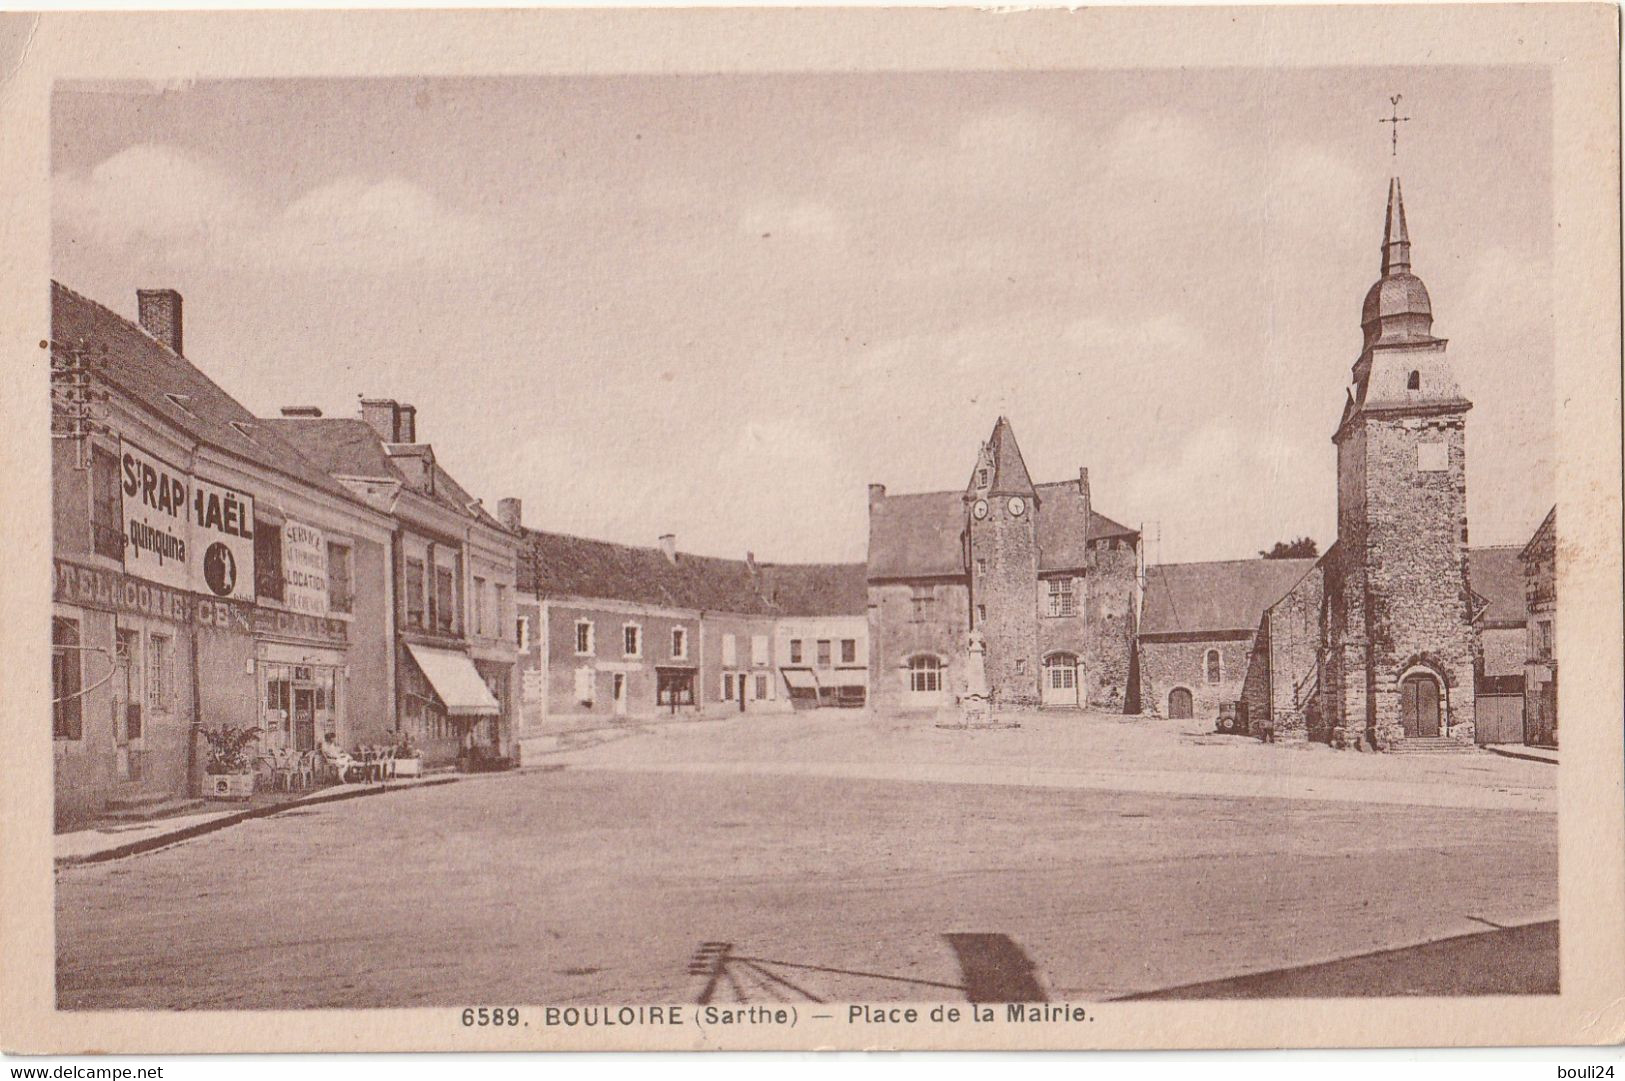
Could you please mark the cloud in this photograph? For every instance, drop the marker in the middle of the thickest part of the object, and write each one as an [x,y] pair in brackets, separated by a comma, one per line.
[194,210]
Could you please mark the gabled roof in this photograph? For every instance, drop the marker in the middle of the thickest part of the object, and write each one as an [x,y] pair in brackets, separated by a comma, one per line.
[1496,575]
[343,446]
[1547,527]
[557,564]
[149,372]
[817,589]
[348,447]
[1227,595]
[920,535]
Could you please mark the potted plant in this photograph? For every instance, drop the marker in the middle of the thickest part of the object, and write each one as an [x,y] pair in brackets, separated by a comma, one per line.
[408,757]
[229,769]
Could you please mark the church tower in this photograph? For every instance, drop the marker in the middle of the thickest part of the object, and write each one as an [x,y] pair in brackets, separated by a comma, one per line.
[1400,641]
[1001,507]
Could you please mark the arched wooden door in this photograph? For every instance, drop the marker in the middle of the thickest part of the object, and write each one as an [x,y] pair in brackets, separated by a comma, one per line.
[1061,679]
[1179,704]
[1419,705]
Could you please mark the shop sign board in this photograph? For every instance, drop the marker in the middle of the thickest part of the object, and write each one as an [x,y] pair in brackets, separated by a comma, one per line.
[155,500]
[263,622]
[304,568]
[98,587]
[223,536]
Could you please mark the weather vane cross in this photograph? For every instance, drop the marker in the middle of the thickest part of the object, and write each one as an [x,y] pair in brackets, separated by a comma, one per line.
[1394,120]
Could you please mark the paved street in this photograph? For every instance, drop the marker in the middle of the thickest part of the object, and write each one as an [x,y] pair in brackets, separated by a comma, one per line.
[756,859]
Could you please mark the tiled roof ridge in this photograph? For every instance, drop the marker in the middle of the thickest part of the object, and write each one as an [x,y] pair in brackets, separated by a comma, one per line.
[1214,562]
[527,532]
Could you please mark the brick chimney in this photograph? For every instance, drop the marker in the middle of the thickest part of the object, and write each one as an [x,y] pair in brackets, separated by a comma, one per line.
[159,312]
[877,492]
[406,424]
[510,513]
[382,416]
[668,546]
[309,411]
[1083,483]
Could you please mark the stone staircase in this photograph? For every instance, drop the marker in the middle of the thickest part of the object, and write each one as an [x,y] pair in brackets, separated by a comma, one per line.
[143,806]
[1430,745]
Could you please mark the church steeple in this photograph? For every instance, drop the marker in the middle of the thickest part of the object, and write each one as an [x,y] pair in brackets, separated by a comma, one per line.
[1396,239]
[1398,308]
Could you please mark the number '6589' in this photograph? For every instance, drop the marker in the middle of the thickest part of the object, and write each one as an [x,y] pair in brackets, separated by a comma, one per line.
[490,1016]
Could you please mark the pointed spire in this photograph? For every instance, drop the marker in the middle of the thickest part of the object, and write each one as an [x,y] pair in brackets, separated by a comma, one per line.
[1396,239]
[1009,470]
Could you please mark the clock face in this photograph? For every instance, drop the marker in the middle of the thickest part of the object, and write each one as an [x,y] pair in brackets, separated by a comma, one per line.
[1017,505]
[980,510]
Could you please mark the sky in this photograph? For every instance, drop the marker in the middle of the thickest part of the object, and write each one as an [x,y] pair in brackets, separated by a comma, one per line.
[721,306]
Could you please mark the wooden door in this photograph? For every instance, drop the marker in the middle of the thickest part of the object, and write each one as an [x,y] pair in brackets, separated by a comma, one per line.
[1419,706]
[1179,704]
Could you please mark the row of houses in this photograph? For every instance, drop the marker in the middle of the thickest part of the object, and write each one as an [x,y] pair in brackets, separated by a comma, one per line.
[320,577]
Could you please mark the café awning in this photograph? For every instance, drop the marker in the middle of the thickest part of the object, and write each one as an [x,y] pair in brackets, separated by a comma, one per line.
[800,679]
[851,677]
[455,681]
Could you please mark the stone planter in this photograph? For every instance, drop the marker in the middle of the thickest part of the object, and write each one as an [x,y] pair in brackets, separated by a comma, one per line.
[228,786]
[408,767]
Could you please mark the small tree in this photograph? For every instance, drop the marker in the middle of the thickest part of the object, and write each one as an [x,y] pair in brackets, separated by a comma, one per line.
[1302,548]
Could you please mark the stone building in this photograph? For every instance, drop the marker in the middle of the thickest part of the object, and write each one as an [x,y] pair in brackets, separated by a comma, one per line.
[1384,639]
[1539,558]
[1051,584]
[1400,650]
[1199,627]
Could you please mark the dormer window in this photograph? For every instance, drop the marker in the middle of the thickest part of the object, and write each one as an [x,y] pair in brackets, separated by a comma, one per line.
[244,430]
[181,402]
[1414,382]
[981,478]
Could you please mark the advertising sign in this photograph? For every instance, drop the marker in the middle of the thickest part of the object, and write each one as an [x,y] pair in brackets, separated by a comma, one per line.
[223,535]
[155,518]
[304,568]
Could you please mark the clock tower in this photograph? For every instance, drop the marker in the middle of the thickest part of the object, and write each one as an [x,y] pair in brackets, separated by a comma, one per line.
[1001,507]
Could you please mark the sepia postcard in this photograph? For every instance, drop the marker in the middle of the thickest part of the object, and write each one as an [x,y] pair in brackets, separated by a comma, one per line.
[789,529]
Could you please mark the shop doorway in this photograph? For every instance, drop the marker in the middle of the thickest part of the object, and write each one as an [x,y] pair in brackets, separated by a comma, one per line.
[618,693]
[304,719]
[1419,706]
[740,687]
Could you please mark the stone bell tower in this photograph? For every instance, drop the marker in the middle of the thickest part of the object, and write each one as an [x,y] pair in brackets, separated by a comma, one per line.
[1000,508]
[1400,646]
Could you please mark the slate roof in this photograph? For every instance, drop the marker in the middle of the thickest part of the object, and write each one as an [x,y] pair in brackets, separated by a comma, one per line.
[917,535]
[1496,575]
[147,371]
[348,447]
[817,589]
[1227,595]
[557,564]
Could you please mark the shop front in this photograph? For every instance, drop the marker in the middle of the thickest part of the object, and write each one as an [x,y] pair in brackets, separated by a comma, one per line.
[447,706]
